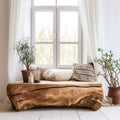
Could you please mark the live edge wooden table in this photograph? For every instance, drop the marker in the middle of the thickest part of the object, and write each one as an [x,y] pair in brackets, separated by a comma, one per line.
[48,93]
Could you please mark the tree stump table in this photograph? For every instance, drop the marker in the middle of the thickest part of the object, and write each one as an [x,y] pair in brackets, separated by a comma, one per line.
[48,93]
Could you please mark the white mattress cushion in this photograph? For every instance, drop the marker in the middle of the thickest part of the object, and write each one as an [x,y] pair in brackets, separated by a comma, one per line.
[58,74]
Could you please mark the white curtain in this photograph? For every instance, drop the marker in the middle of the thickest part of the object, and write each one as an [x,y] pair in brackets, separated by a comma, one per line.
[19,27]
[90,18]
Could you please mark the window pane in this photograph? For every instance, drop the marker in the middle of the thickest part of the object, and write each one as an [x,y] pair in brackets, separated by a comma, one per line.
[44,54]
[44,27]
[68,54]
[44,2]
[68,26]
[67,2]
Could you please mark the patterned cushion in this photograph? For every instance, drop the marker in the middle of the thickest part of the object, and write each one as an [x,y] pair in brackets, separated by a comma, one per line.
[83,72]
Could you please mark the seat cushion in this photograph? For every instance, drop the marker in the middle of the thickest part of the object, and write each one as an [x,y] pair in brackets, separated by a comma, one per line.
[58,74]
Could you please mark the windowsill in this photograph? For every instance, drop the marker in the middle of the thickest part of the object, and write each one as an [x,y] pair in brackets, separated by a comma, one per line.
[48,67]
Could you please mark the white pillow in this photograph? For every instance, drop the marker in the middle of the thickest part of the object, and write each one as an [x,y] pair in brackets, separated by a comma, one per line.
[57,74]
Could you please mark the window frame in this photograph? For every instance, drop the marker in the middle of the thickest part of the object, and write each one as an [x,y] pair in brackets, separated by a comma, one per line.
[45,9]
[56,32]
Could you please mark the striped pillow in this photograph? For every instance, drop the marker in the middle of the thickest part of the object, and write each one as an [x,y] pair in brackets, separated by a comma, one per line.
[83,72]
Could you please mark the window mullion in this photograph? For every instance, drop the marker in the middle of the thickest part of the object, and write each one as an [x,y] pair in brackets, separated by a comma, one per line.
[33,27]
[58,36]
[69,42]
[54,38]
[79,40]
[43,42]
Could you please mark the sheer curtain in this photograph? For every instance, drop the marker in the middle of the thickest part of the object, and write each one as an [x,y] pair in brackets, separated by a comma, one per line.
[19,27]
[90,18]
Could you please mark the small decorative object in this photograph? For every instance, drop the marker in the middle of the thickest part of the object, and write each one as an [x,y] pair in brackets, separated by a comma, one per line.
[25,52]
[37,75]
[30,78]
[36,81]
[111,73]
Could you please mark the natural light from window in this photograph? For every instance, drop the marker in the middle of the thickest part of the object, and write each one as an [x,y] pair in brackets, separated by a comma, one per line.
[56,32]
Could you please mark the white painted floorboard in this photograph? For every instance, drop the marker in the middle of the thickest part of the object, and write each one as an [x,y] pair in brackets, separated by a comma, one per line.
[87,114]
[62,113]
[112,113]
[59,114]
[24,115]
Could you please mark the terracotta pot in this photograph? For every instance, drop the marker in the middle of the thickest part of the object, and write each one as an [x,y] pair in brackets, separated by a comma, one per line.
[114,93]
[26,73]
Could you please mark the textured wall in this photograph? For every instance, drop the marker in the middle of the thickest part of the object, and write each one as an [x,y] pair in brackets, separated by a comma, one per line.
[3,46]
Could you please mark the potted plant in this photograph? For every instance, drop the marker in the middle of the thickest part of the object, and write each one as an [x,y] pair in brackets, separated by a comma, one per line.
[111,72]
[25,52]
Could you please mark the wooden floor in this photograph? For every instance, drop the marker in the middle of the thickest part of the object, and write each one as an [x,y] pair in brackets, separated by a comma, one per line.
[62,113]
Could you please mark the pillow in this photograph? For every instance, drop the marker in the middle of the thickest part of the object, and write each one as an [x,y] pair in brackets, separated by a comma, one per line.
[42,70]
[83,72]
[57,74]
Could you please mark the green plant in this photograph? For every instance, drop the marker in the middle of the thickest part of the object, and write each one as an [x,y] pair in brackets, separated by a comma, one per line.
[25,52]
[110,67]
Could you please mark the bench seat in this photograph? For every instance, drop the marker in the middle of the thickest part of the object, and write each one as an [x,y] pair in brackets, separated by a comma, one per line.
[50,93]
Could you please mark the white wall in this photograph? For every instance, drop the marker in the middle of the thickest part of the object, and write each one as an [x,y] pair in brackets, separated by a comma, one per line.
[111,29]
[111,25]
[3,46]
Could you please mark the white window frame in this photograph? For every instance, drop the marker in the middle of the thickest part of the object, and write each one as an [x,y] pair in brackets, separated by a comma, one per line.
[45,9]
[56,32]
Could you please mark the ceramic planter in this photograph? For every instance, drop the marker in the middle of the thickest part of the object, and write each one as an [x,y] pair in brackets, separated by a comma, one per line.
[26,73]
[114,93]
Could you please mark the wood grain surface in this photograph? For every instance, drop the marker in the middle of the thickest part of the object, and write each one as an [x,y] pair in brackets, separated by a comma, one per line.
[47,93]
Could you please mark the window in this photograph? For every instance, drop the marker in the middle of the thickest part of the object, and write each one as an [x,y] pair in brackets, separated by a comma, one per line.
[56,33]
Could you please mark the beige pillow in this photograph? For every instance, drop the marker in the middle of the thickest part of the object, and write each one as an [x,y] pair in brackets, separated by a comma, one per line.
[58,74]
[83,72]
[42,70]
